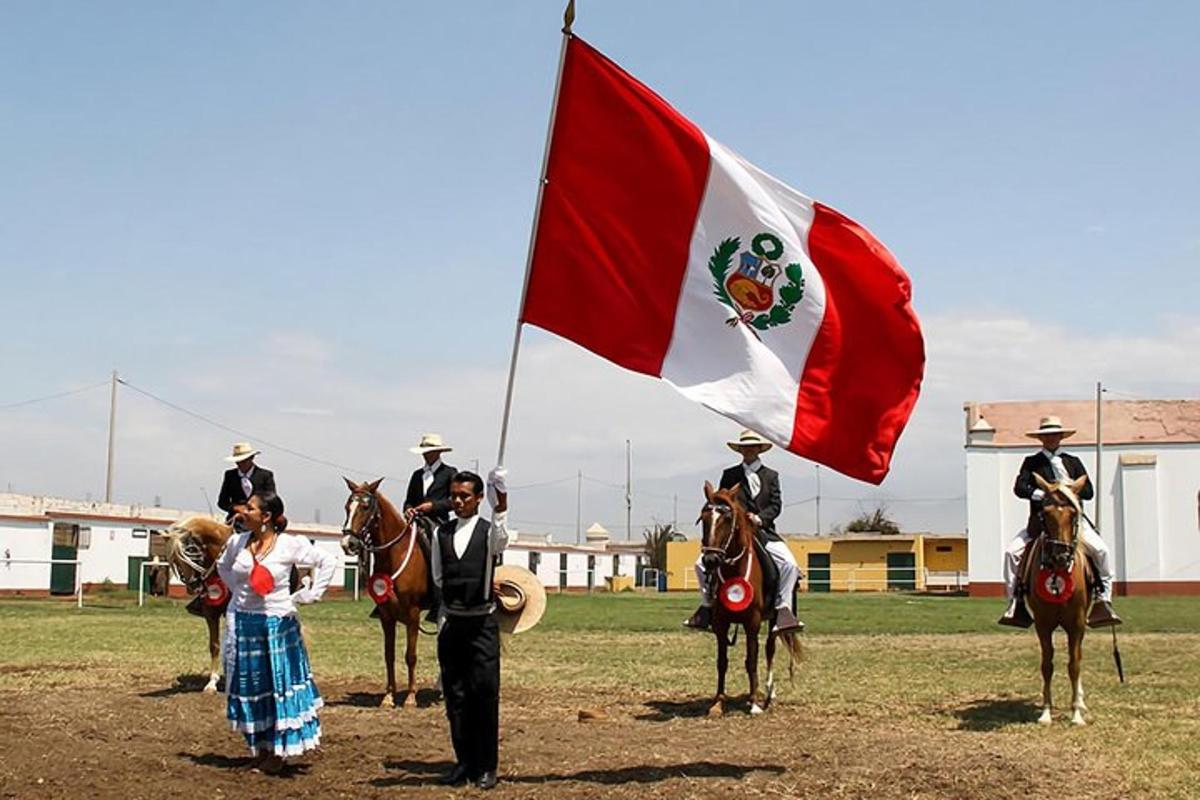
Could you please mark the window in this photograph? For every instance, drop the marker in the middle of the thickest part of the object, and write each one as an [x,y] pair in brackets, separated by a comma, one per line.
[140,533]
[616,566]
[85,538]
[535,561]
[562,570]
[944,548]
[591,573]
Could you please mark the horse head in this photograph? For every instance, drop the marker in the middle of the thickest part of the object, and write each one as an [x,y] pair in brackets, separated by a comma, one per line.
[726,527]
[193,546]
[362,517]
[1061,510]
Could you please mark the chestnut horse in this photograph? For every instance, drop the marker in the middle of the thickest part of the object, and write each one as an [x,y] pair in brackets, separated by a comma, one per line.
[374,526]
[193,546]
[1058,552]
[728,552]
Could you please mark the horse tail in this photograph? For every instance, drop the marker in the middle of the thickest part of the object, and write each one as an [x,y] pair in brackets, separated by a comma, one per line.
[795,653]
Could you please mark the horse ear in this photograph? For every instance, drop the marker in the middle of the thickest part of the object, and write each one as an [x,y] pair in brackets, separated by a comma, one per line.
[709,491]
[736,493]
[374,486]
[353,486]
[1078,484]
[1042,483]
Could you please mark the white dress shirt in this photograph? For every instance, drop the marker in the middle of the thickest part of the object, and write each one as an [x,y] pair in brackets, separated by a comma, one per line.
[752,478]
[427,475]
[247,486]
[464,529]
[235,564]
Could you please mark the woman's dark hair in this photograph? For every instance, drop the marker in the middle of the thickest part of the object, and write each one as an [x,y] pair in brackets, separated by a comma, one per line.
[466,476]
[273,505]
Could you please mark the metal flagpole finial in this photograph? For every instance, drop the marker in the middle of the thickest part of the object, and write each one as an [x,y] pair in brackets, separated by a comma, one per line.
[569,17]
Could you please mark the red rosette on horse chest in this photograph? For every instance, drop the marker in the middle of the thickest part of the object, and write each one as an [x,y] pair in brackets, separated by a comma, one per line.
[380,587]
[215,591]
[736,594]
[1054,585]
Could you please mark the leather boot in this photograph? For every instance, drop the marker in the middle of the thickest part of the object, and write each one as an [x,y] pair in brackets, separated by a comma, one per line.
[785,621]
[701,620]
[1017,614]
[1102,615]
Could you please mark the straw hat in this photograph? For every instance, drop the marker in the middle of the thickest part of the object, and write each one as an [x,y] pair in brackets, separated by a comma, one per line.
[242,451]
[430,443]
[521,596]
[749,438]
[1050,426]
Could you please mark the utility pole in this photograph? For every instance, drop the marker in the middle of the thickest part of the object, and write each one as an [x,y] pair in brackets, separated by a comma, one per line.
[818,466]
[674,512]
[628,491]
[1099,455]
[579,507]
[112,430]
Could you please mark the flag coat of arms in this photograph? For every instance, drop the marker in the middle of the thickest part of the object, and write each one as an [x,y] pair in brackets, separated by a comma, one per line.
[669,254]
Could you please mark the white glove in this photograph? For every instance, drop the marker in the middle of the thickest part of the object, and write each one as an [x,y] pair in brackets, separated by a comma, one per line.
[1037,495]
[304,595]
[497,484]
[756,520]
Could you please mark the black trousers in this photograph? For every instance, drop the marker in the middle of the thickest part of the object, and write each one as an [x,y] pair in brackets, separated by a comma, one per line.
[469,654]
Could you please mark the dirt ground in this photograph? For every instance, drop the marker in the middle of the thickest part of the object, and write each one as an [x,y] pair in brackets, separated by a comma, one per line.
[161,739]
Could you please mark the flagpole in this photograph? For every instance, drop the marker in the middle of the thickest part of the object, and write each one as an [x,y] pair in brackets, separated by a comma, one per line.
[568,19]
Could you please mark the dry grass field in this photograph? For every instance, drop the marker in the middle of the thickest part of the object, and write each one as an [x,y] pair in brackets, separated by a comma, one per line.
[900,696]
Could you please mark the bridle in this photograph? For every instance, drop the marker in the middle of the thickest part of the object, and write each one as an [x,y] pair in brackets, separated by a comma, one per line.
[367,532]
[191,553]
[1056,553]
[721,553]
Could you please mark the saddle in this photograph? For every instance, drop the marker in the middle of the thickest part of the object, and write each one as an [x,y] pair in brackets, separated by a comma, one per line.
[770,574]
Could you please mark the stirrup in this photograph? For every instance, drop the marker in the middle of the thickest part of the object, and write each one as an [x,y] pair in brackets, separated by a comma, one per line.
[1017,614]
[785,621]
[1102,615]
[700,620]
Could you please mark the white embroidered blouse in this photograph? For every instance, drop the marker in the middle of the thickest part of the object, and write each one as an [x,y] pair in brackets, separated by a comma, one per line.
[235,564]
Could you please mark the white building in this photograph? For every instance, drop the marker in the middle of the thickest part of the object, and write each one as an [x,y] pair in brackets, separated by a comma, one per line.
[1147,505]
[109,541]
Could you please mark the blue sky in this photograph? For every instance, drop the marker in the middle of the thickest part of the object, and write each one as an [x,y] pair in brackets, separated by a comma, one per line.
[288,216]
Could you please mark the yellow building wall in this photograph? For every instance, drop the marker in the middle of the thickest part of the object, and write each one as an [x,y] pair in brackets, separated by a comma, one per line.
[855,565]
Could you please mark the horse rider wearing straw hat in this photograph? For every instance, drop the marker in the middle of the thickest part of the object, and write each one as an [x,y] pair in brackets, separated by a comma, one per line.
[245,480]
[763,500]
[1055,466]
[429,487]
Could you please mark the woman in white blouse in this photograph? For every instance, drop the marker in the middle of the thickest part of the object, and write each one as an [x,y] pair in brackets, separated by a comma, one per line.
[271,697]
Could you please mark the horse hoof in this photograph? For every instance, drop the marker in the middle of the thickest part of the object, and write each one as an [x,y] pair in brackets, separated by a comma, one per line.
[387,701]
[1044,719]
[716,710]
[755,709]
[1078,719]
[210,689]
[410,700]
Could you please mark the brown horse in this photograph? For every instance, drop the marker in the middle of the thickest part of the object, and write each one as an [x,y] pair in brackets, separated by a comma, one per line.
[193,545]
[374,527]
[1056,553]
[728,552]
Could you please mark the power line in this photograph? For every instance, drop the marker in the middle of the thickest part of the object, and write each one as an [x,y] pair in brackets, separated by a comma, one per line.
[250,436]
[11,406]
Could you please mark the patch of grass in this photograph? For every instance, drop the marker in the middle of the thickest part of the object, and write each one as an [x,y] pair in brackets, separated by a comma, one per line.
[935,663]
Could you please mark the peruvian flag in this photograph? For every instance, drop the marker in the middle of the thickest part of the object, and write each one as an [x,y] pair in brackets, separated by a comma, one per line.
[669,254]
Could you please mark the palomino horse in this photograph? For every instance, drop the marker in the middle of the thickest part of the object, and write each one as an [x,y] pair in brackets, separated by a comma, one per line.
[729,554]
[374,526]
[193,547]
[1060,596]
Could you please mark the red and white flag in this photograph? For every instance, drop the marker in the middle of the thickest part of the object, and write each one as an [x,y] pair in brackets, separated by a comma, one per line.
[669,254]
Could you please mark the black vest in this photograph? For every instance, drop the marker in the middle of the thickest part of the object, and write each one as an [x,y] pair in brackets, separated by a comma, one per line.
[466,581]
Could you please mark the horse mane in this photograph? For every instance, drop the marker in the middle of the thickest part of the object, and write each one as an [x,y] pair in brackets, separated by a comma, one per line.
[206,529]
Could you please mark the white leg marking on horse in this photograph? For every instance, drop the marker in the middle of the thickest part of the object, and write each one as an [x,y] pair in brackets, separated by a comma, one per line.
[1077,718]
[387,701]
[1045,718]
[755,709]
[211,686]
[770,685]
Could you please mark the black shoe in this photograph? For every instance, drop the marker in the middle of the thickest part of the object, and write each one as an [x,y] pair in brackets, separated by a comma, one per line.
[487,780]
[457,775]
[196,607]
[1017,614]
[701,620]
[1102,615]
[786,622]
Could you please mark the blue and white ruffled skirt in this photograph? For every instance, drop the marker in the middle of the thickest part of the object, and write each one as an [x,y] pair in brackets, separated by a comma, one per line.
[271,697]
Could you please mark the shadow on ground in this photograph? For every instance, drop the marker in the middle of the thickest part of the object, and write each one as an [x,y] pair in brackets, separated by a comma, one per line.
[422,773]
[187,683]
[995,713]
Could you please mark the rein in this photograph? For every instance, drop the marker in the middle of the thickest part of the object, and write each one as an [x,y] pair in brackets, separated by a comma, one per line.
[727,560]
[192,554]
[366,536]
[1051,547]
